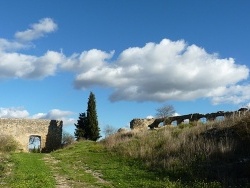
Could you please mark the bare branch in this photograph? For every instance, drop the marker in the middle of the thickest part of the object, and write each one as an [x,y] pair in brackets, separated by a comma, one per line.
[165,111]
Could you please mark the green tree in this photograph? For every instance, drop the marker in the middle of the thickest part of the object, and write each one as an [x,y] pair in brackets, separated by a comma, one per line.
[92,129]
[81,126]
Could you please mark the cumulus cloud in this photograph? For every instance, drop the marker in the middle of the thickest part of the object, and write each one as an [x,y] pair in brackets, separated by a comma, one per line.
[56,114]
[52,114]
[236,94]
[23,39]
[19,65]
[6,45]
[37,30]
[87,60]
[15,65]
[169,70]
[15,112]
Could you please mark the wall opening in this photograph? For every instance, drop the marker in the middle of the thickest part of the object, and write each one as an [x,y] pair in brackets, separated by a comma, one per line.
[174,123]
[161,124]
[35,143]
[203,120]
[219,118]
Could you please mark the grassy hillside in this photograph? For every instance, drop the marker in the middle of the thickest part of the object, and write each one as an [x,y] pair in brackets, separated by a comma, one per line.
[28,170]
[90,163]
[85,164]
[213,152]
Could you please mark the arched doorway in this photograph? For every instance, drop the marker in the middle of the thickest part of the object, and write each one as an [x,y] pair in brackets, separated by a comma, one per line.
[34,143]
[174,123]
[203,120]
[219,118]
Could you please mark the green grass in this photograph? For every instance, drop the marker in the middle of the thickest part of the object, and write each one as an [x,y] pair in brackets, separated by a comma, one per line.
[29,170]
[117,171]
[2,165]
[87,164]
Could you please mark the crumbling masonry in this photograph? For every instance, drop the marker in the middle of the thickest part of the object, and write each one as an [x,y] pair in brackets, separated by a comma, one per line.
[49,132]
[154,123]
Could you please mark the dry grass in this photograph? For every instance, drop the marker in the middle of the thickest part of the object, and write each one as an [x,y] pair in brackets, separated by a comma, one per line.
[209,150]
[7,143]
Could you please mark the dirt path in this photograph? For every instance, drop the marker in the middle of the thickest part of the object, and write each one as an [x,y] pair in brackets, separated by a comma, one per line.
[64,181]
[61,181]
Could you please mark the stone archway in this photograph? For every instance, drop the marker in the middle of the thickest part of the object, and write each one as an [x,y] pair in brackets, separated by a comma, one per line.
[174,123]
[203,120]
[35,143]
[220,118]
[49,131]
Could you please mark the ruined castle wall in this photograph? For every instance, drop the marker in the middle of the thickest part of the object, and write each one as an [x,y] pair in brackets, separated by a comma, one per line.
[141,123]
[153,123]
[50,132]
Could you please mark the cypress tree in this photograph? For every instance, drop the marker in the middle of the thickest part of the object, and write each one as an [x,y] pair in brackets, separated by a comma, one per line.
[80,131]
[92,129]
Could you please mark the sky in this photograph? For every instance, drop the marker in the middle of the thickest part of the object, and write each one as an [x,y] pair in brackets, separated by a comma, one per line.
[135,56]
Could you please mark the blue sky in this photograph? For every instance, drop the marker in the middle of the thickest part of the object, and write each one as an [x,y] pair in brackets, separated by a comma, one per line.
[135,56]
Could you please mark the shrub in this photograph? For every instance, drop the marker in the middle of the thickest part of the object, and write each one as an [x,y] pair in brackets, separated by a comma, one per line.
[67,139]
[7,143]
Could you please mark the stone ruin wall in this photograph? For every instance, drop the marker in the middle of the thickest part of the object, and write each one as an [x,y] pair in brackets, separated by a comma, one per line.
[50,132]
[140,124]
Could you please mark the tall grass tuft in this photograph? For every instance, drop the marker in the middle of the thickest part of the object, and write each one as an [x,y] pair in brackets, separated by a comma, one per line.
[7,143]
[213,151]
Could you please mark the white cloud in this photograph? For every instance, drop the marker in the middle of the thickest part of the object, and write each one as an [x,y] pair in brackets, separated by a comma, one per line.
[19,65]
[170,70]
[87,60]
[236,94]
[15,112]
[16,65]
[52,114]
[56,114]
[176,114]
[37,30]
[6,45]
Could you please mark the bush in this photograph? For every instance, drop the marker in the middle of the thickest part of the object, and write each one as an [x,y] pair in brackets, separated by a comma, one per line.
[7,143]
[67,139]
